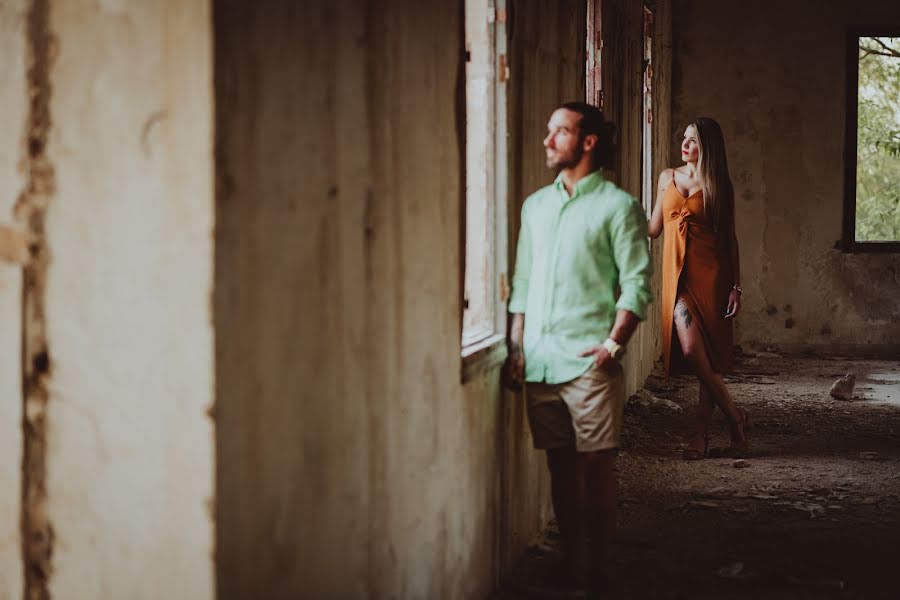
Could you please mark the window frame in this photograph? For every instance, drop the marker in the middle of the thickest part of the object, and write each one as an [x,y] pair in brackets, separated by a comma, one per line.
[489,350]
[849,243]
[648,183]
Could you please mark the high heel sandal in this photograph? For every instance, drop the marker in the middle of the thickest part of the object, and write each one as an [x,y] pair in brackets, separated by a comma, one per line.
[741,449]
[692,454]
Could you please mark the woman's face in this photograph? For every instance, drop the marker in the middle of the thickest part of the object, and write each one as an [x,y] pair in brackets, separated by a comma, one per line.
[690,147]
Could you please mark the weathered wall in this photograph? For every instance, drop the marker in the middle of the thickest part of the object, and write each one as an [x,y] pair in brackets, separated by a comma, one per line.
[352,461]
[777,86]
[622,75]
[649,333]
[121,202]
[13,99]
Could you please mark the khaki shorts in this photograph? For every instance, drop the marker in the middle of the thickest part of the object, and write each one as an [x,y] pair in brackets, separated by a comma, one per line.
[586,411]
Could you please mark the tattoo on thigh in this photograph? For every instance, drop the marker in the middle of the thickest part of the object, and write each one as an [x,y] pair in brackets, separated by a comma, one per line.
[683,314]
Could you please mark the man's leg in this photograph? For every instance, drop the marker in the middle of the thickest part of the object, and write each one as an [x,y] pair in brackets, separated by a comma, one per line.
[568,494]
[596,402]
[601,509]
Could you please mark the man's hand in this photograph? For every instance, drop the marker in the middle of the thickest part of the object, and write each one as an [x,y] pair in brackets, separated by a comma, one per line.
[513,374]
[601,357]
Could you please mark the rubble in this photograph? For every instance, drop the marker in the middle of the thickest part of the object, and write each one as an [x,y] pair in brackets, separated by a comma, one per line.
[643,402]
[842,389]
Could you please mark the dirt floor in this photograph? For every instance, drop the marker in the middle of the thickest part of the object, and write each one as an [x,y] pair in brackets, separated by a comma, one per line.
[813,513]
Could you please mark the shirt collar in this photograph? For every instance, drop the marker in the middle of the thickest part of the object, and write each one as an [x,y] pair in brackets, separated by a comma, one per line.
[585,185]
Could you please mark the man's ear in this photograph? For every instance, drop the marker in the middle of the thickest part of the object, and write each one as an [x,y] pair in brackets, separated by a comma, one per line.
[590,142]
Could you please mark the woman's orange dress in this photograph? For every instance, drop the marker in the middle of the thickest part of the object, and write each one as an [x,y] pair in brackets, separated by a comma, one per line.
[700,266]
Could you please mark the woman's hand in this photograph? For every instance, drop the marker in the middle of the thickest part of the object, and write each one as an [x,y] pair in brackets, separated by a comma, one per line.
[734,304]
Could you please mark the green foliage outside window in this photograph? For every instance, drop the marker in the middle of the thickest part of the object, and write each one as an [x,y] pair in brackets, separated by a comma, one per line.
[878,140]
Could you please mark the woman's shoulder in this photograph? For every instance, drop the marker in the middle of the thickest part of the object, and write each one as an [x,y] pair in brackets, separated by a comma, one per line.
[667,175]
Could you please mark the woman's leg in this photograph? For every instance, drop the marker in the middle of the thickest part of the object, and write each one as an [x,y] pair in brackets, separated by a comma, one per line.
[694,350]
[705,408]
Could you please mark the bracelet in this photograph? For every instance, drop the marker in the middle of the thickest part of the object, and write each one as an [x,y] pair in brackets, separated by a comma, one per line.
[738,289]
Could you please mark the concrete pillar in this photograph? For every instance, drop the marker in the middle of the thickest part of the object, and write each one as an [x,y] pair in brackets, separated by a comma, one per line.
[118,330]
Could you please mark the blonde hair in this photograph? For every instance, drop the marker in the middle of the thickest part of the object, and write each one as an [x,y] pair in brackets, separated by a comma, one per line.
[718,193]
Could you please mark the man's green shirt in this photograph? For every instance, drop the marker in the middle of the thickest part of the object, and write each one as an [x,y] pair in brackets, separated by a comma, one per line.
[579,260]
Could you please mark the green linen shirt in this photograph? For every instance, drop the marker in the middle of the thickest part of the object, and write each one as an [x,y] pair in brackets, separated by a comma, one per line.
[579,260]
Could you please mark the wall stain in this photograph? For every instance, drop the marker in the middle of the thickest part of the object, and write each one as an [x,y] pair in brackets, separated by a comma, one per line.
[31,209]
[152,120]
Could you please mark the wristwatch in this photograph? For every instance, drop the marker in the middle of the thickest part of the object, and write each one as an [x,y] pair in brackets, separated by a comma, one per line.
[615,349]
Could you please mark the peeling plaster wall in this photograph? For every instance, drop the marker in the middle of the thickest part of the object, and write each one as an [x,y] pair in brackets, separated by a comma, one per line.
[777,86]
[13,99]
[127,300]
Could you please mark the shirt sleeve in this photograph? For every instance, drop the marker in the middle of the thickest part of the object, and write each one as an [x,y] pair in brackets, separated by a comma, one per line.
[632,255]
[519,298]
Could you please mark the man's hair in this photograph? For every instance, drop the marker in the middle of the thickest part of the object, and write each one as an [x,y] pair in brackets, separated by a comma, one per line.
[593,123]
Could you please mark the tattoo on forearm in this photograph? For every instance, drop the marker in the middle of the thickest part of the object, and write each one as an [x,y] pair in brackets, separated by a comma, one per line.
[683,314]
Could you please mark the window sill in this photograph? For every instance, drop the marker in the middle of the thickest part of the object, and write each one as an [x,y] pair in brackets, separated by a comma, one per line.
[870,247]
[483,356]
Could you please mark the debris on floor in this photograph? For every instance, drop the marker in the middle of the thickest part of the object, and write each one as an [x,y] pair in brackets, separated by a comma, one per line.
[842,389]
[816,517]
[643,402]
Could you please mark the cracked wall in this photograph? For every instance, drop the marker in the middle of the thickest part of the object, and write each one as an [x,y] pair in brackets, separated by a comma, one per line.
[129,464]
[777,86]
[112,346]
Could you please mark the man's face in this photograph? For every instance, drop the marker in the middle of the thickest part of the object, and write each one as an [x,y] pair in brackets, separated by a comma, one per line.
[563,142]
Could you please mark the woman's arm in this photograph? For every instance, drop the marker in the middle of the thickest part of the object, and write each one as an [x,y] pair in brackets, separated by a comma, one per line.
[734,296]
[655,226]
[733,244]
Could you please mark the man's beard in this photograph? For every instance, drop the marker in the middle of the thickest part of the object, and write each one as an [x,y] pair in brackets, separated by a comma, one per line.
[567,162]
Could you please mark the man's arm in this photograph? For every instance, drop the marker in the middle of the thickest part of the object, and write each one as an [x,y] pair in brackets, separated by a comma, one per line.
[513,375]
[632,257]
[622,330]
[624,327]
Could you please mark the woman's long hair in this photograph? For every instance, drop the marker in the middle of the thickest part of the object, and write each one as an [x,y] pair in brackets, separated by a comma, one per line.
[718,193]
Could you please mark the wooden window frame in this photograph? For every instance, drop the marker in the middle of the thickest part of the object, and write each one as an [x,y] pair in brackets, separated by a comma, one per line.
[488,349]
[849,243]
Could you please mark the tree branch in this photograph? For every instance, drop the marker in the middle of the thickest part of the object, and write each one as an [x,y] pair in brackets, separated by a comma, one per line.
[884,51]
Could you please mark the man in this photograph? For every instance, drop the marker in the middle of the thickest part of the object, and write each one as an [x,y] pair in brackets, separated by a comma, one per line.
[580,288]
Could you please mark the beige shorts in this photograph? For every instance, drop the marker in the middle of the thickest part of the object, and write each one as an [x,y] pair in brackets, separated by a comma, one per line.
[586,411]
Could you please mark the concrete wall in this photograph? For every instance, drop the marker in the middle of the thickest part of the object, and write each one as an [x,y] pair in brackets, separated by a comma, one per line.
[13,99]
[777,86]
[351,460]
[108,156]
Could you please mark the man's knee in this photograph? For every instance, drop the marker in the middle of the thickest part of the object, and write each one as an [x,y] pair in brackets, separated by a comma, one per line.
[600,457]
[560,459]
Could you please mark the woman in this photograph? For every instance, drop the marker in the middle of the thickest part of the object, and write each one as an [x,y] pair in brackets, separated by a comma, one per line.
[701,290]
